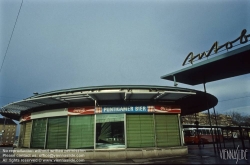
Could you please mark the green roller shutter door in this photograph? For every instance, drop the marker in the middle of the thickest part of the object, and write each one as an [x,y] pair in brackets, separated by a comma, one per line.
[27,133]
[38,133]
[57,132]
[140,131]
[81,132]
[167,130]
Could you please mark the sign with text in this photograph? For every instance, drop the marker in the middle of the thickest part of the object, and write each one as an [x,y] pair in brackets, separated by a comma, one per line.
[137,109]
[243,38]
[81,110]
[167,109]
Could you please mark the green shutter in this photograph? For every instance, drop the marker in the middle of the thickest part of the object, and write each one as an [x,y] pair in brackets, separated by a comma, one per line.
[57,132]
[140,131]
[27,133]
[38,133]
[81,132]
[167,130]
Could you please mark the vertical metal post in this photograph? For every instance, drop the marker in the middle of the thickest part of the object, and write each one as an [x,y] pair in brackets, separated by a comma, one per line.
[241,137]
[46,131]
[218,133]
[30,132]
[67,137]
[155,131]
[223,138]
[227,134]
[197,133]
[95,131]
[209,117]
[233,137]
[181,130]
[125,129]
[248,135]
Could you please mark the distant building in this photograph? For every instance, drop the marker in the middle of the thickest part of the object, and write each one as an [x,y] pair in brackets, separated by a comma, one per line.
[203,119]
[8,131]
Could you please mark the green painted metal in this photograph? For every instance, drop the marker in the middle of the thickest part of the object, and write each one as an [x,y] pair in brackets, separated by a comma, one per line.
[167,130]
[81,132]
[38,133]
[140,131]
[57,132]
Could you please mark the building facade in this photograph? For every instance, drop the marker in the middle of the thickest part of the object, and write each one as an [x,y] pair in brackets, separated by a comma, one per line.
[203,119]
[102,128]
[8,131]
[137,120]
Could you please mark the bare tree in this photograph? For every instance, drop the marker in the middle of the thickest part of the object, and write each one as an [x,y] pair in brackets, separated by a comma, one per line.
[239,120]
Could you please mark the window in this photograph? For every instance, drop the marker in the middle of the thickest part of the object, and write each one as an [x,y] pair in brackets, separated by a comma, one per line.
[110,131]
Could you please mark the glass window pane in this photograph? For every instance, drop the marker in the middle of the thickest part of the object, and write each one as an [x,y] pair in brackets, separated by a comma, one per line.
[110,131]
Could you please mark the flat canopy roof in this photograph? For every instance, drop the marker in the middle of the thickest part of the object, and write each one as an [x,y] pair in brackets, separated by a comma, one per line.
[113,95]
[230,64]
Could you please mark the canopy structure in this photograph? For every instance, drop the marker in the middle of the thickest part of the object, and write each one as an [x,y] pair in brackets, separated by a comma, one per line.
[189,100]
[229,64]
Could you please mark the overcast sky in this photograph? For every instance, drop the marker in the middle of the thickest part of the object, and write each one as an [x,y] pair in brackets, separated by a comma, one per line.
[64,44]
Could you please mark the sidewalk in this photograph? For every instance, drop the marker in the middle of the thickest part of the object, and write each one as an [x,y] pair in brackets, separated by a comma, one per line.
[195,155]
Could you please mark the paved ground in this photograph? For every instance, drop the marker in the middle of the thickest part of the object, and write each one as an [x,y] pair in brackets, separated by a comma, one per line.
[195,155]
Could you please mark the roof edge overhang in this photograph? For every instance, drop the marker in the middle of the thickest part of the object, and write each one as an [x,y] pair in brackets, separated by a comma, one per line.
[123,95]
[229,64]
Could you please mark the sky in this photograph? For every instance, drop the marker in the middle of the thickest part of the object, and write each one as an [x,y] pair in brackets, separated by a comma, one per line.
[63,44]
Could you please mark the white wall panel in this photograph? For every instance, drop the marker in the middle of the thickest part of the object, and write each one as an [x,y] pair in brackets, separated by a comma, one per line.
[49,113]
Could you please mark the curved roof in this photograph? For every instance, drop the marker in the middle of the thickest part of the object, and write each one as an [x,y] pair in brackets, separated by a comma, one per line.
[190,100]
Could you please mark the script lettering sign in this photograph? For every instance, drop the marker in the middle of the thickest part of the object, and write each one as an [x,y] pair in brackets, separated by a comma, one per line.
[243,38]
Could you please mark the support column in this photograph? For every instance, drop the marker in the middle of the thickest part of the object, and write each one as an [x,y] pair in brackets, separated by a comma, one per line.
[197,132]
[242,138]
[218,133]
[209,117]
[232,137]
